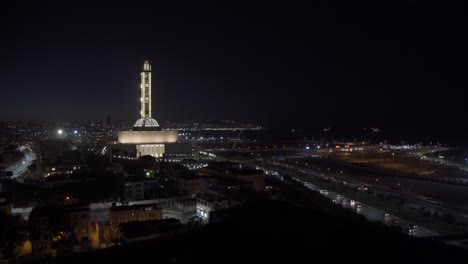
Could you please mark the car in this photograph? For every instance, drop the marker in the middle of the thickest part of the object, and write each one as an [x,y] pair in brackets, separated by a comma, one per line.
[358,206]
[395,221]
[386,214]
[409,231]
[344,200]
[412,226]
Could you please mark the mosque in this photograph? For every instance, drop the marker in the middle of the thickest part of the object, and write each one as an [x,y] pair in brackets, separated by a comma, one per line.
[146,136]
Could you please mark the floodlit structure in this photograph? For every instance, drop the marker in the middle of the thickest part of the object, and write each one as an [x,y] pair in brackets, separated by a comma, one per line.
[145,87]
[146,134]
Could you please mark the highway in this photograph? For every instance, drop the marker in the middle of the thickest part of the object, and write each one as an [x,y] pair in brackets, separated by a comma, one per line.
[370,213]
[451,198]
[411,199]
[373,214]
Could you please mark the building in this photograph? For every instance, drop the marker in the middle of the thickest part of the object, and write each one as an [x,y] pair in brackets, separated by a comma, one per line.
[193,184]
[58,157]
[64,167]
[47,221]
[210,201]
[134,213]
[147,136]
[52,150]
[228,169]
[136,190]
[141,212]
[253,176]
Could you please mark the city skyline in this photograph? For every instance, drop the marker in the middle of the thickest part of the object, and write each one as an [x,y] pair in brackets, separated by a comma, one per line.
[179,131]
[324,66]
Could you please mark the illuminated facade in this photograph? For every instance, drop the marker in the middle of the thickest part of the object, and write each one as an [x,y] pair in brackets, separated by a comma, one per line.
[146,134]
[148,137]
[146,91]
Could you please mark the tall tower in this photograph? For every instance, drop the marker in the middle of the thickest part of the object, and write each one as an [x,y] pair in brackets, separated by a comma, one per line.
[146,90]
[146,136]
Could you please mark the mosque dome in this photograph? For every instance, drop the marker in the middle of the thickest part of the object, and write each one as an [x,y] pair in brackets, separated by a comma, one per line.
[146,124]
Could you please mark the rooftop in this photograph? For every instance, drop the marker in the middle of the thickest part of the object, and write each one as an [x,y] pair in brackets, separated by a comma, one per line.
[134,207]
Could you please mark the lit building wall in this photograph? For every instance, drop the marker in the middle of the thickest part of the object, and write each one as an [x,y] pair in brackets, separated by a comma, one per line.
[148,137]
[204,207]
[155,150]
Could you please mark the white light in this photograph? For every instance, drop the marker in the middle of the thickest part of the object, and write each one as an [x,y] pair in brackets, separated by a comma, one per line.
[75,132]
[60,131]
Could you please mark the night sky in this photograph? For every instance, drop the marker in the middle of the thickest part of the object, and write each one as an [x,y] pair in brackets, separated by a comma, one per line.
[400,66]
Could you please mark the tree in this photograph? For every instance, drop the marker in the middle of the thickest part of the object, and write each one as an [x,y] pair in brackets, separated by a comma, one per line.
[10,237]
[114,230]
[61,230]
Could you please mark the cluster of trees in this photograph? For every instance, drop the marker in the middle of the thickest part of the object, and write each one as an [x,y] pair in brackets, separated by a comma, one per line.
[59,226]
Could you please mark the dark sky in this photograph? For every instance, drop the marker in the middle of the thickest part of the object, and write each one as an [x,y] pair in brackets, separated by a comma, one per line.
[400,65]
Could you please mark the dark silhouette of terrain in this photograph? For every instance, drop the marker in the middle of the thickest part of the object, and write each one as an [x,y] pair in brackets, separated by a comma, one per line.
[273,231]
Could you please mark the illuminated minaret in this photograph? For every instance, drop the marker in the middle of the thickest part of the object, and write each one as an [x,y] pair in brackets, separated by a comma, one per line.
[146,136]
[146,90]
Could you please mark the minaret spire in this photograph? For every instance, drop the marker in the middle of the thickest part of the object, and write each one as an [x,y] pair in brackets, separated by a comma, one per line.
[146,90]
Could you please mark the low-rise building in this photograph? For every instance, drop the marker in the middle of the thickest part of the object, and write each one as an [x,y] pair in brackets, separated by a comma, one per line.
[210,201]
[229,169]
[133,213]
[48,223]
[256,177]
[135,190]
[62,168]
[194,184]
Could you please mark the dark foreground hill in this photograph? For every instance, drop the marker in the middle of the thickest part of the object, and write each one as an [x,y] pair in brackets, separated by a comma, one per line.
[270,231]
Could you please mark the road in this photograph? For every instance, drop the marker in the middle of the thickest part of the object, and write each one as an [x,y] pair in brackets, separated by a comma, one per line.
[451,197]
[421,154]
[373,214]
[21,166]
[370,213]
[455,196]
[411,199]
